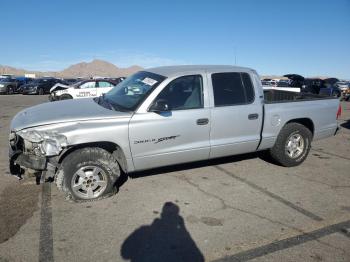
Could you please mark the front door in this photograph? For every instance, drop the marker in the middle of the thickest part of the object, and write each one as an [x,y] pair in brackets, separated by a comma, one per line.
[178,135]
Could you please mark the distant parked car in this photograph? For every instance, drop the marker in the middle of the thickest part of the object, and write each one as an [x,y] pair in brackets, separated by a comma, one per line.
[330,90]
[70,81]
[343,84]
[344,87]
[83,89]
[40,86]
[117,80]
[283,83]
[11,85]
[266,83]
[313,85]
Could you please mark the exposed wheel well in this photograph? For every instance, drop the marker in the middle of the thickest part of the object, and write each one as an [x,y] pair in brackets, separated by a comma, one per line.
[108,146]
[64,96]
[307,122]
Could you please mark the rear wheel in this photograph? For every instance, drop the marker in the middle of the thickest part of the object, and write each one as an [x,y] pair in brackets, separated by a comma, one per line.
[90,173]
[292,145]
[41,91]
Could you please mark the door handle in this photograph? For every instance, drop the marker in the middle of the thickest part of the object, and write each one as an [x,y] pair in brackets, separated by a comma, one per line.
[253,116]
[202,121]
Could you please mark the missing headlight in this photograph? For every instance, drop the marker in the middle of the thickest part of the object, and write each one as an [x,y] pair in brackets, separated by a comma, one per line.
[43,142]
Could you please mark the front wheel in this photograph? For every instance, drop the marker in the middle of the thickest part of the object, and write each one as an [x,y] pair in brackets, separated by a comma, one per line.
[292,145]
[90,173]
[10,90]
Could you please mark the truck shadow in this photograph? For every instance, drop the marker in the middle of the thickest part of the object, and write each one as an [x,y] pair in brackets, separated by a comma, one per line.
[165,239]
[346,124]
[193,165]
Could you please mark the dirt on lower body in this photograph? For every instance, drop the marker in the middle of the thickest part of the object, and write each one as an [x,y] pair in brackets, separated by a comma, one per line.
[18,202]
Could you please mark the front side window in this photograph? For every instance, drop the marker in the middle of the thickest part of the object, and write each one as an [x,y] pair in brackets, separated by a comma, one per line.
[90,84]
[184,93]
[232,89]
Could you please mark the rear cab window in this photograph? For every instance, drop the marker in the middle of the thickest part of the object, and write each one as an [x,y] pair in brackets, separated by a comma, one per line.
[232,88]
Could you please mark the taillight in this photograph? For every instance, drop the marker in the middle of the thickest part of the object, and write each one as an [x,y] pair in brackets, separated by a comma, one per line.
[339,111]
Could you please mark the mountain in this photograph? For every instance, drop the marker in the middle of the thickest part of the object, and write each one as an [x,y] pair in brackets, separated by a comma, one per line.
[97,68]
[85,69]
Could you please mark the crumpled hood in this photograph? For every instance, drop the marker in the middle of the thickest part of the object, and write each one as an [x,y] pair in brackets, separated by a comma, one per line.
[59,86]
[62,112]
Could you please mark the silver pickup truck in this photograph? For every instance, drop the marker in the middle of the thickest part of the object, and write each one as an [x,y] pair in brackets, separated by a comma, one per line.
[165,116]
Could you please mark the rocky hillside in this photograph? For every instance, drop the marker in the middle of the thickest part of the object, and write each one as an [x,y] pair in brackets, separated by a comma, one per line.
[84,69]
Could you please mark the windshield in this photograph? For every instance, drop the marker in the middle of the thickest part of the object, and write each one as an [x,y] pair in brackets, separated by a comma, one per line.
[76,84]
[130,93]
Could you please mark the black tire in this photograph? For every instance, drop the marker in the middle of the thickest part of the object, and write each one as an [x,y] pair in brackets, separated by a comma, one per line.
[41,91]
[10,90]
[280,153]
[65,97]
[86,161]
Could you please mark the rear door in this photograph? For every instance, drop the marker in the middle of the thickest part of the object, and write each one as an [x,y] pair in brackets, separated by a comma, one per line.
[87,89]
[236,114]
[176,136]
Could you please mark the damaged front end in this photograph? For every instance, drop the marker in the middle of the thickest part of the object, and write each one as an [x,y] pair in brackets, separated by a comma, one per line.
[32,150]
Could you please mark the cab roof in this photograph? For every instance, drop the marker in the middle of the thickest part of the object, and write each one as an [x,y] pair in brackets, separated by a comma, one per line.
[169,71]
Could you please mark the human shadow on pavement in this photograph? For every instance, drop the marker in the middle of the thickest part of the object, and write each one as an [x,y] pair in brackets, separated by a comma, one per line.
[166,239]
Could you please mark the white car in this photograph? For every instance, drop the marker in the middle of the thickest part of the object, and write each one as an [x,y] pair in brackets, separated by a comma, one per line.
[82,89]
[343,85]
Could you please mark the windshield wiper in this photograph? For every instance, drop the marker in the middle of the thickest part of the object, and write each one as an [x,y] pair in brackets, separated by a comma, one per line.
[103,101]
[117,106]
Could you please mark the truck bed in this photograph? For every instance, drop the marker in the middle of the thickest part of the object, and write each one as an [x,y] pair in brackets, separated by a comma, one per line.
[279,96]
[280,107]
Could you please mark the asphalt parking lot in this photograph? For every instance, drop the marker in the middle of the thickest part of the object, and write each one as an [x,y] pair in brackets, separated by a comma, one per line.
[233,209]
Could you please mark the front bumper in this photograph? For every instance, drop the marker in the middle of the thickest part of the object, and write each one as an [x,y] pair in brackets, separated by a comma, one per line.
[3,89]
[18,160]
[53,98]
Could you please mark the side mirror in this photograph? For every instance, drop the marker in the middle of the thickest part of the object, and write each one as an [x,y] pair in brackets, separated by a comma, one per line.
[161,105]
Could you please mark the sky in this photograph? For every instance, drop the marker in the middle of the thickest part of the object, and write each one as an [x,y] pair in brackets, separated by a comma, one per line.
[275,37]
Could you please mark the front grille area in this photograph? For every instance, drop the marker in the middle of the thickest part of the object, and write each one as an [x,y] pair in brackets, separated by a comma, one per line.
[16,142]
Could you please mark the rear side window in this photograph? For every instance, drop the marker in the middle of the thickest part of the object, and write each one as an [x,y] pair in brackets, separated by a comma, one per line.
[104,84]
[232,89]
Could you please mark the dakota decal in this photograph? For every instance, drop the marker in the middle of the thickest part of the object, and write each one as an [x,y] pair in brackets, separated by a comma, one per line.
[156,140]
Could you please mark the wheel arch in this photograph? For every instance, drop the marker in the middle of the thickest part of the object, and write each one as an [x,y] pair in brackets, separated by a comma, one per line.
[307,122]
[110,147]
